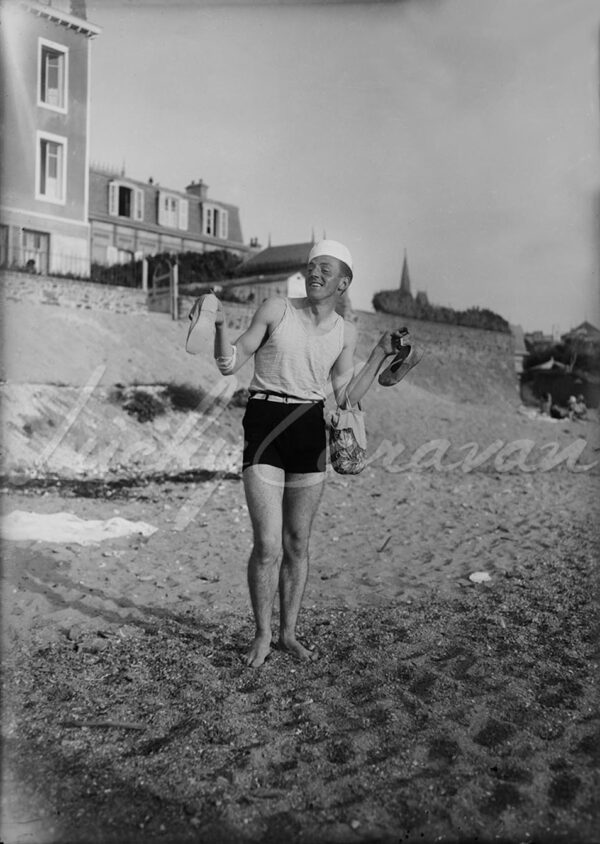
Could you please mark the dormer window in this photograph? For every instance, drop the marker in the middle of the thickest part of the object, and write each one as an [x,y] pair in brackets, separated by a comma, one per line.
[52,75]
[215,222]
[172,211]
[125,200]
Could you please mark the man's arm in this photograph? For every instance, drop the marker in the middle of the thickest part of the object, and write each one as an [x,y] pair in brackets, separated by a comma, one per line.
[265,319]
[342,370]
[348,385]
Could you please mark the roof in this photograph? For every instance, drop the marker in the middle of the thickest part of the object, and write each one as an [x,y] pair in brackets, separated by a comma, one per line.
[585,330]
[277,259]
[98,209]
[550,364]
[60,16]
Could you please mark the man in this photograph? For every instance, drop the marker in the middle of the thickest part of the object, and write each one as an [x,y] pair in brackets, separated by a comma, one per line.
[298,345]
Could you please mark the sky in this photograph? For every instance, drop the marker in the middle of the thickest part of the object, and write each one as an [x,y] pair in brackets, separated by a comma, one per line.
[462,132]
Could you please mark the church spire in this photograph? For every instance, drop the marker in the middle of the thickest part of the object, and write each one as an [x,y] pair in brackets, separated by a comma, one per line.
[405,278]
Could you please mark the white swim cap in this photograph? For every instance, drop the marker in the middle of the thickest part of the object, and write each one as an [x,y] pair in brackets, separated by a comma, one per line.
[333,249]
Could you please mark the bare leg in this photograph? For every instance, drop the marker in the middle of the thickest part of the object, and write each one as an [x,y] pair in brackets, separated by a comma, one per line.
[300,501]
[263,486]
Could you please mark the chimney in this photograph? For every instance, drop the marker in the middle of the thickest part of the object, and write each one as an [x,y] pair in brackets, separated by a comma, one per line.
[78,9]
[198,189]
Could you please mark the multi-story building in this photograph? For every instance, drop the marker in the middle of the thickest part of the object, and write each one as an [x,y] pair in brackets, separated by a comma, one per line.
[131,219]
[58,214]
[44,91]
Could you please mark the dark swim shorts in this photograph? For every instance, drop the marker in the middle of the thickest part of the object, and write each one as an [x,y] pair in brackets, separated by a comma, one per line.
[290,436]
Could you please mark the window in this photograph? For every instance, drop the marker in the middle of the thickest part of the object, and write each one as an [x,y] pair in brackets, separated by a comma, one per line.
[125,200]
[52,76]
[172,211]
[51,168]
[215,222]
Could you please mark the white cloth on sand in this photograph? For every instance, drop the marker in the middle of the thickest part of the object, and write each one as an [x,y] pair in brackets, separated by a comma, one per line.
[66,527]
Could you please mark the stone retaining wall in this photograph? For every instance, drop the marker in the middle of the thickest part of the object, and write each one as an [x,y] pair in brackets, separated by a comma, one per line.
[71,293]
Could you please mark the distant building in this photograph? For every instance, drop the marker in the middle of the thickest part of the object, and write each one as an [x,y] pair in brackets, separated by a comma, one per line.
[44,90]
[586,332]
[129,218]
[274,271]
[538,340]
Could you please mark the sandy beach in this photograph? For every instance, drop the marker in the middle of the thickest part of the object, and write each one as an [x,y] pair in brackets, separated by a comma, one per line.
[440,708]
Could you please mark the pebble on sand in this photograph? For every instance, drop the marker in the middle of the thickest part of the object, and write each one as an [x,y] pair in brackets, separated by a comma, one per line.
[480,577]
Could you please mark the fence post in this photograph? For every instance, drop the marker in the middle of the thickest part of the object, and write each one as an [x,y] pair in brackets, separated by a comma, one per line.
[144,274]
[175,291]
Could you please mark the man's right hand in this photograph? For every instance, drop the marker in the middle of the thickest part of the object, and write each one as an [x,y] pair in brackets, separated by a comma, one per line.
[220,313]
[391,340]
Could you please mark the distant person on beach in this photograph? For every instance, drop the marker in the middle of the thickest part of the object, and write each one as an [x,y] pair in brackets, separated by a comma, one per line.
[298,345]
[545,404]
[578,408]
[558,412]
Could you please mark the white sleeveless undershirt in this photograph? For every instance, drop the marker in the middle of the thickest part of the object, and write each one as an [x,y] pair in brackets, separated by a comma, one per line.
[295,360]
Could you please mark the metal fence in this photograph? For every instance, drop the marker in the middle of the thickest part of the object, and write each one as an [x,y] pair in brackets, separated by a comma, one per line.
[39,261]
[42,263]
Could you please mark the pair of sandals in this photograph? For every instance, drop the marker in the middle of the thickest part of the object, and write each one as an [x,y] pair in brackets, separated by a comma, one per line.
[405,358]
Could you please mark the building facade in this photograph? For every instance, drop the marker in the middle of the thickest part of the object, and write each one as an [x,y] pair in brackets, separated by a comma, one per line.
[58,214]
[45,148]
[130,219]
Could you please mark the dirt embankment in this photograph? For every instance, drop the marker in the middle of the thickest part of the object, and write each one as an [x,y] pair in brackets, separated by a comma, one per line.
[69,376]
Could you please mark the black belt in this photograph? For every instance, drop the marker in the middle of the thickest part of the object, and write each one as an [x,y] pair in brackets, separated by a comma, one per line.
[270,395]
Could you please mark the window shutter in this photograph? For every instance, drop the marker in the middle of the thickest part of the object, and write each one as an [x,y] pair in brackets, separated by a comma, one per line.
[224,227]
[139,204]
[162,211]
[183,214]
[113,199]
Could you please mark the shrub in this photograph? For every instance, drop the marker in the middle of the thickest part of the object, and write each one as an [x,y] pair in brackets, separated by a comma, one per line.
[400,303]
[144,406]
[184,396]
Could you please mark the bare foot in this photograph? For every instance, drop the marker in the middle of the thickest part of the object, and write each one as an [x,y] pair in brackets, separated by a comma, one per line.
[292,646]
[259,651]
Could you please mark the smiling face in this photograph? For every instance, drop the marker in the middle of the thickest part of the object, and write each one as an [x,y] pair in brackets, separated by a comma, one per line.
[326,277]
